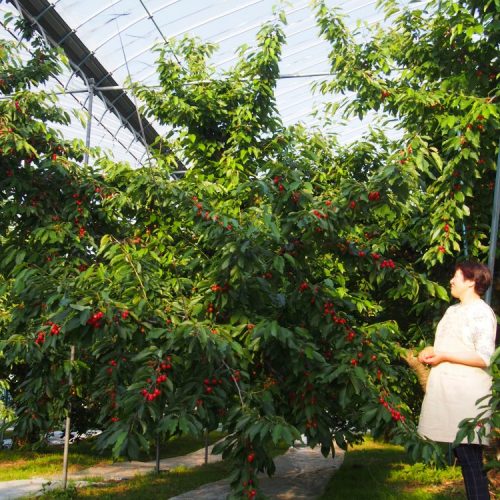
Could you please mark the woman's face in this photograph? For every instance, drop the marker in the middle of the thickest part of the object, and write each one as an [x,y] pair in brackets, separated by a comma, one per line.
[460,285]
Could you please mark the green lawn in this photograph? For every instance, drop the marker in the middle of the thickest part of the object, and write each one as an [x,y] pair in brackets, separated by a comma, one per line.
[47,462]
[379,471]
[166,485]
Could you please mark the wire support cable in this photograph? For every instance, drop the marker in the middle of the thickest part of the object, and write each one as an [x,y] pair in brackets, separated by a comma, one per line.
[198,82]
[139,117]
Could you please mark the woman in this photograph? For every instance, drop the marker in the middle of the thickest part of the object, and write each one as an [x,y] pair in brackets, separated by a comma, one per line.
[463,346]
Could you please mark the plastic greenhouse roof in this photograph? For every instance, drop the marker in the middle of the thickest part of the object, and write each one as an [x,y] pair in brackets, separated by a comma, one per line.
[112,40]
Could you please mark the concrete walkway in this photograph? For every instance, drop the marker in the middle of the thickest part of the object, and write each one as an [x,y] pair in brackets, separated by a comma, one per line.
[301,473]
[23,487]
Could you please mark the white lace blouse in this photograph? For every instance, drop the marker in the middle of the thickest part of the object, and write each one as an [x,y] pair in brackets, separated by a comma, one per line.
[475,326]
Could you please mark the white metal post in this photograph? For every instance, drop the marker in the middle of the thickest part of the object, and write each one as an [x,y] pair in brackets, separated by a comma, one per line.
[67,431]
[72,348]
[89,119]
[494,227]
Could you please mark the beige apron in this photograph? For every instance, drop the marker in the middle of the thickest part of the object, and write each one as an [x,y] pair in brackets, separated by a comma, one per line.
[453,389]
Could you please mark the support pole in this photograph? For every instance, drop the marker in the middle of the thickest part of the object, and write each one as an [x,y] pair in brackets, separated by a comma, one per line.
[157,467]
[206,446]
[494,228]
[72,348]
[4,420]
[67,431]
[89,120]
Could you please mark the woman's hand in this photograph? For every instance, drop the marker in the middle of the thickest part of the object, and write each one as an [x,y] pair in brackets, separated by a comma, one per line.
[433,358]
[424,353]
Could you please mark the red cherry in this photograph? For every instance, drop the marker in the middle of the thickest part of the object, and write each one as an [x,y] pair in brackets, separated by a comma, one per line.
[250,457]
[55,329]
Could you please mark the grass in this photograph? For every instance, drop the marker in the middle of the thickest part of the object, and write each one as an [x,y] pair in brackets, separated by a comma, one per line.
[166,485]
[47,462]
[380,471]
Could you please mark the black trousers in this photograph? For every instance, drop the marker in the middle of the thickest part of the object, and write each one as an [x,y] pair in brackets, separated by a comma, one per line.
[470,458]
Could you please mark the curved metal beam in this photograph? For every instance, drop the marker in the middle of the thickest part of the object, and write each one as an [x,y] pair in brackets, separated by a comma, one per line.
[45,17]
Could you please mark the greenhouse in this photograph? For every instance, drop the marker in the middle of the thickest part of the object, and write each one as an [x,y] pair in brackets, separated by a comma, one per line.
[248,248]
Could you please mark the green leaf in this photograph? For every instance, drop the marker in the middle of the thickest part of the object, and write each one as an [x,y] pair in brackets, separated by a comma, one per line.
[79,307]
[119,442]
[277,433]
[20,256]
[441,292]
[278,264]
[156,333]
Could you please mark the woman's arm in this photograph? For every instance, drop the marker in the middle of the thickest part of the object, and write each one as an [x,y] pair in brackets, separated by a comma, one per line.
[462,358]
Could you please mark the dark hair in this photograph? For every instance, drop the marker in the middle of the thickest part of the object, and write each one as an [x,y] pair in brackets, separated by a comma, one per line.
[476,272]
